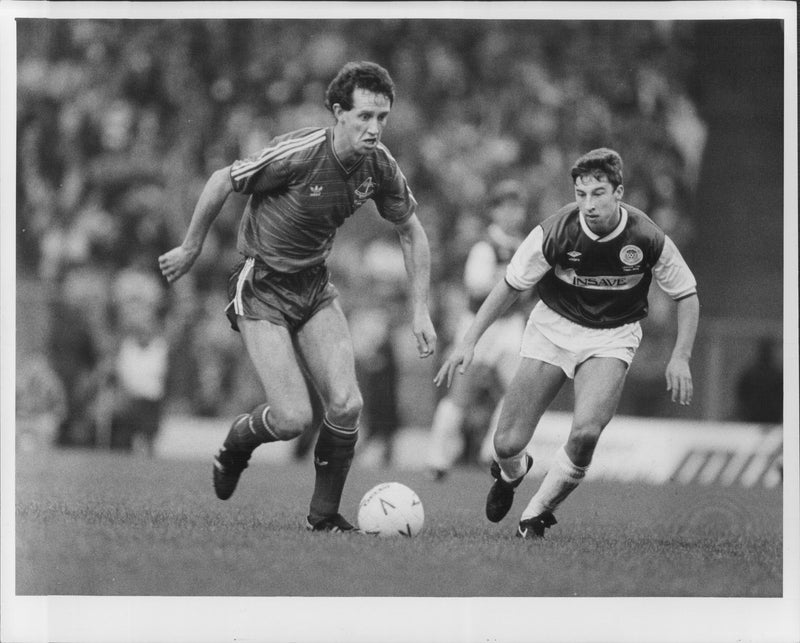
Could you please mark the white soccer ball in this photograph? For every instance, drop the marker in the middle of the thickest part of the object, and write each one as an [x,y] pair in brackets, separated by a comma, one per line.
[391,509]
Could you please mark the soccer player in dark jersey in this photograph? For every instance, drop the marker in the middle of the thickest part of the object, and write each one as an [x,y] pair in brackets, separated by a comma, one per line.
[302,187]
[592,263]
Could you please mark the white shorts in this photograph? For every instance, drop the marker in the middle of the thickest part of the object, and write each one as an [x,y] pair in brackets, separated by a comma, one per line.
[551,338]
[498,347]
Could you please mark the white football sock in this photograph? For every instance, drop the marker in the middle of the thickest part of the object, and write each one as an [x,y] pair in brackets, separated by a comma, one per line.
[446,439]
[562,478]
[514,467]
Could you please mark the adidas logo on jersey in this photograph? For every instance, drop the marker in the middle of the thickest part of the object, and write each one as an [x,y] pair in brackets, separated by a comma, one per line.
[316,190]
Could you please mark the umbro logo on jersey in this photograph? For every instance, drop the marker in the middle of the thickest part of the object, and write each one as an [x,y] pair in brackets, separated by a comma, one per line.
[574,255]
[316,190]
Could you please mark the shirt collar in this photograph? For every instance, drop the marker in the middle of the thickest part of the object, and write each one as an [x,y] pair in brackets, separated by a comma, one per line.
[623,221]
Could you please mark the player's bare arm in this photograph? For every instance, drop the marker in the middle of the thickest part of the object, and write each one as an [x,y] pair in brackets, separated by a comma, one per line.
[678,374]
[178,261]
[495,304]
[417,256]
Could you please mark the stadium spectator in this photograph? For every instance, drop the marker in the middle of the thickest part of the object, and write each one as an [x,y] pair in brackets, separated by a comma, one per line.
[377,373]
[497,353]
[302,187]
[132,398]
[376,320]
[759,388]
[214,353]
[592,263]
[41,404]
[78,339]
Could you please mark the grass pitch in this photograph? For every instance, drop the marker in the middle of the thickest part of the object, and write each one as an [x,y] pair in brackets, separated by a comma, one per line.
[100,524]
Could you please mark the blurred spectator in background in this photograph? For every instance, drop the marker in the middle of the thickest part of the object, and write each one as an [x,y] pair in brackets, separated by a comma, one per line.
[760,386]
[497,353]
[79,332]
[214,352]
[377,315]
[376,369]
[41,404]
[131,402]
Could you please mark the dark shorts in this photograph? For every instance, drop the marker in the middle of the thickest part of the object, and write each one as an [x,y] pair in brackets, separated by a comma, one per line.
[255,291]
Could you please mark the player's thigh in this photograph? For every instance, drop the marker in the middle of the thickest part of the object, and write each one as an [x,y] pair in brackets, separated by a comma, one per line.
[530,392]
[326,347]
[273,356]
[599,382]
[507,366]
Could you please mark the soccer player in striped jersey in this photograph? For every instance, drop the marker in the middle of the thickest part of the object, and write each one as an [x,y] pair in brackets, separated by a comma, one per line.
[592,263]
[302,187]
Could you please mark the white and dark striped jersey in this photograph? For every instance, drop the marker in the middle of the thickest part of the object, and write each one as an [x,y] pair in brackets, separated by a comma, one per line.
[300,193]
[599,282]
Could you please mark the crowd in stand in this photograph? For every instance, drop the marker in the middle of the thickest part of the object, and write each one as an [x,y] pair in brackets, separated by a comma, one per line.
[120,123]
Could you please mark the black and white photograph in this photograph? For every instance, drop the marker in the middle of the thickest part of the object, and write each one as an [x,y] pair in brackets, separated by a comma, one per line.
[437,322]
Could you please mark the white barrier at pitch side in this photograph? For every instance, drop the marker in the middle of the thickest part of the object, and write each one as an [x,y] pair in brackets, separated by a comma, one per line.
[658,450]
[631,448]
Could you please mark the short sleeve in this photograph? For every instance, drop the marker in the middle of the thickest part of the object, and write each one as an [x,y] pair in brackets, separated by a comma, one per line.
[528,265]
[394,199]
[672,273]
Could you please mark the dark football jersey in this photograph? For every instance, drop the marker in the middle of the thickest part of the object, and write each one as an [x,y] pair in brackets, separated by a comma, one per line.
[300,193]
[599,282]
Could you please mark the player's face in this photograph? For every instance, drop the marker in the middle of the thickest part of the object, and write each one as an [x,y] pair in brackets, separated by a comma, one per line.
[598,201]
[358,130]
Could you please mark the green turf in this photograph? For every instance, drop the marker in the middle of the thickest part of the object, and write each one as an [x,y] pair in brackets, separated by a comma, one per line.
[100,524]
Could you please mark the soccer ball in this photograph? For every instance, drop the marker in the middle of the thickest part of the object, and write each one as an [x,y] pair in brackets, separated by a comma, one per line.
[390,509]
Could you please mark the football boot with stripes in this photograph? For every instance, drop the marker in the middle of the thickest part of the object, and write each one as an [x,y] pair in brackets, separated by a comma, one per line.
[335,524]
[501,495]
[229,464]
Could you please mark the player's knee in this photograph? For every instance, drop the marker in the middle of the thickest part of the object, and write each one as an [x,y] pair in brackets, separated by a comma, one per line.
[344,409]
[506,444]
[290,422]
[582,441]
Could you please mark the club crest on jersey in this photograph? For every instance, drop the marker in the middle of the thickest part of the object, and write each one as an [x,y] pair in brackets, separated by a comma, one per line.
[631,255]
[316,190]
[365,190]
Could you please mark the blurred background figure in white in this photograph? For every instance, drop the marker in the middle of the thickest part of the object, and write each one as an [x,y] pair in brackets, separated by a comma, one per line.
[131,403]
[497,353]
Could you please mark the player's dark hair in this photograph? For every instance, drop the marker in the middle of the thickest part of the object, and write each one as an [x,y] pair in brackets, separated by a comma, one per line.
[601,163]
[358,75]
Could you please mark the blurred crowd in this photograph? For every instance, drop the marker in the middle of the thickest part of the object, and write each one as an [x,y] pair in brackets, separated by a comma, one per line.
[120,122]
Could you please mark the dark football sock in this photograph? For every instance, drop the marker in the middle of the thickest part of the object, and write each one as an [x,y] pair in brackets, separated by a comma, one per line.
[333,455]
[250,431]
